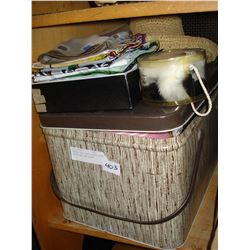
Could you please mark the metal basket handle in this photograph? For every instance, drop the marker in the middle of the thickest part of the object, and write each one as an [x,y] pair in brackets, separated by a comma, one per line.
[152,222]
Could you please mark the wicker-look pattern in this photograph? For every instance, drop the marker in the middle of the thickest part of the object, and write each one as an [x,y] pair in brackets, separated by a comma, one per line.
[154,180]
[169,25]
[169,32]
[189,42]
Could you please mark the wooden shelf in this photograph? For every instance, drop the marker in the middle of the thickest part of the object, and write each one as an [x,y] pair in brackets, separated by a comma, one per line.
[59,222]
[198,235]
[123,11]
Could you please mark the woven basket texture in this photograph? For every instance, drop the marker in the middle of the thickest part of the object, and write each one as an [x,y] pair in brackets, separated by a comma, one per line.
[154,180]
[168,30]
[168,25]
[180,42]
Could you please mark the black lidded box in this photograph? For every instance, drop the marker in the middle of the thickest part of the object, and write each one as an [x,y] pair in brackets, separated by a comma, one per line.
[110,92]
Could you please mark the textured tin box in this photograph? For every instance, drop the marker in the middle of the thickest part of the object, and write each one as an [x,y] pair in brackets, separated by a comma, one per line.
[148,190]
[92,93]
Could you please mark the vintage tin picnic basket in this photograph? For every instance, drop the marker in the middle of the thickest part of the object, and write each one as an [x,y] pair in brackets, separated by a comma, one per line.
[154,195]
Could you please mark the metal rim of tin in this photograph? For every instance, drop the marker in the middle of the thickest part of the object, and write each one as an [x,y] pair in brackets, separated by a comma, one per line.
[172,54]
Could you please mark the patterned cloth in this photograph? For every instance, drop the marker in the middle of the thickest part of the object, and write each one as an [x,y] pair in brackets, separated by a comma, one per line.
[110,53]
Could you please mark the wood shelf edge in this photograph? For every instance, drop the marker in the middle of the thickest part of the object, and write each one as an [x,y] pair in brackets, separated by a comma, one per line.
[123,11]
[200,231]
[58,222]
[197,234]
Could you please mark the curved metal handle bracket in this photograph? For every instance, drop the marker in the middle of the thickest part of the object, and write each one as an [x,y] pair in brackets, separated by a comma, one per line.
[153,222]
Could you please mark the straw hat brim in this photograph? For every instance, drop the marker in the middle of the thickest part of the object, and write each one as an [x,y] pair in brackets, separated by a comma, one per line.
[168,30]
[181,42]
[170,25]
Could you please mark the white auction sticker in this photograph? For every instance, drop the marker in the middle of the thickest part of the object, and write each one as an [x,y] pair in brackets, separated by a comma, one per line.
[89,156]
[112,167]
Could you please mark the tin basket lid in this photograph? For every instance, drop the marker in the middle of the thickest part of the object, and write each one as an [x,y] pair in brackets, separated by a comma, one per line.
[142,118]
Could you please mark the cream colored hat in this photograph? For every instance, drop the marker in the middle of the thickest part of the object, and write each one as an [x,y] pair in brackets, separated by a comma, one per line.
[169,32]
